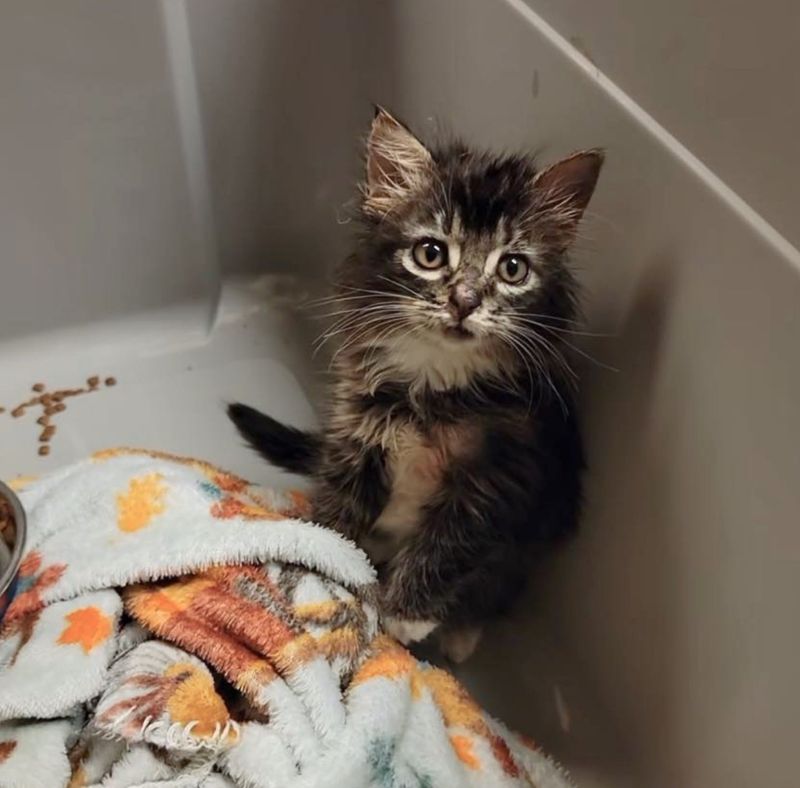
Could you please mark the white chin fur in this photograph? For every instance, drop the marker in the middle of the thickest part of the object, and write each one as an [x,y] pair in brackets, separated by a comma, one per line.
[439,362]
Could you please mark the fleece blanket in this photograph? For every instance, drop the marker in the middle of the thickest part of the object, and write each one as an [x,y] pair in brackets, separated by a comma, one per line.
[174,626]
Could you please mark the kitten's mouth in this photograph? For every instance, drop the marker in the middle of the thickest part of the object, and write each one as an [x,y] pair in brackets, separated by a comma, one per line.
[458,331]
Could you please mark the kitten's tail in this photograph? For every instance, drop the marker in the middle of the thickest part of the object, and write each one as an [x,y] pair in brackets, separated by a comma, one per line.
[293,450]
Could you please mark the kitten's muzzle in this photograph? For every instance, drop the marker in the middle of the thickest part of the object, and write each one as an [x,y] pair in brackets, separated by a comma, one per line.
[464,300]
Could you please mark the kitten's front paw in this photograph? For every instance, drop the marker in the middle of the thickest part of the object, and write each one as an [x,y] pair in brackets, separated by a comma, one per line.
[409,631]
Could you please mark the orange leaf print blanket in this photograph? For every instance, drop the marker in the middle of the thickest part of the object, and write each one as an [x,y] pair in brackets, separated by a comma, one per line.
[172,623]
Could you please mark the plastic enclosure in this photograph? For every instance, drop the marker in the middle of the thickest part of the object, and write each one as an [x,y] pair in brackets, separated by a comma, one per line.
[176,178]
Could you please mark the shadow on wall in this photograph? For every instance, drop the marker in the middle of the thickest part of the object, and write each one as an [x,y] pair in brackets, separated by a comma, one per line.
[286,92]
[624,559]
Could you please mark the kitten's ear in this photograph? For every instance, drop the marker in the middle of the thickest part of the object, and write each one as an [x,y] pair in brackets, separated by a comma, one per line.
[397,164]
[563,191]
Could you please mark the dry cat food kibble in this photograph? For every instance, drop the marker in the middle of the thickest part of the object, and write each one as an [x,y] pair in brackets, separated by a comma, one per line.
[51,403]
[8,530]
[47,433]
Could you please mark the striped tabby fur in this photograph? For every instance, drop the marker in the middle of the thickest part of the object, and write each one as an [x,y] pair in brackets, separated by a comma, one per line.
[450,446]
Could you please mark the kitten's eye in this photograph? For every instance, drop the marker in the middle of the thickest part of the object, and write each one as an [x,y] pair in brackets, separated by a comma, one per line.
[513,268]
[430,254]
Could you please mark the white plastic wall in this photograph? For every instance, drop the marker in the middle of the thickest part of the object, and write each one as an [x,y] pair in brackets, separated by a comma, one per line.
[720,75]
[95,215]
[154,150]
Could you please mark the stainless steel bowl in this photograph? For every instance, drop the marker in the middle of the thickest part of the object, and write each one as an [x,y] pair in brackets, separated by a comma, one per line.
[9,573]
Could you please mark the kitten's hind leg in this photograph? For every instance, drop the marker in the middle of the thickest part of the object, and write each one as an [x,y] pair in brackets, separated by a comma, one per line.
[458,645]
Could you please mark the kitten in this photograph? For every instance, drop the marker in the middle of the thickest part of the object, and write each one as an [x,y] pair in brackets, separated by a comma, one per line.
[450,444]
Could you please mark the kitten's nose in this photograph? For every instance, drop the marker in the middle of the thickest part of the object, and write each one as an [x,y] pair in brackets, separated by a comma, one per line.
[464,299]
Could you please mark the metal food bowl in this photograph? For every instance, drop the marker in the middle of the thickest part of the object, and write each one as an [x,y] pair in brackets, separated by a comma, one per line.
[11,555]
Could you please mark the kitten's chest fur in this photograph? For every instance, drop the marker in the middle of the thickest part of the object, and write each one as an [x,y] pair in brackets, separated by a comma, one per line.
[416,461]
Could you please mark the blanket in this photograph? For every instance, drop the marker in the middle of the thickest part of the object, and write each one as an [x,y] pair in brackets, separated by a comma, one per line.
[172,625]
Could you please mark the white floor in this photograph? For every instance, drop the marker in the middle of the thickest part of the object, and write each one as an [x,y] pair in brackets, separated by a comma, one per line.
[174,375]
[175,372]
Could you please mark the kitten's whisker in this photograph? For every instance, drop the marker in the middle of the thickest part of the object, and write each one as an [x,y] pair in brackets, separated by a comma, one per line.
[338,327]
[359,334]
[392,329]
[550,352]
[572,347]
[343,326]
[541,364]
[355,321]
[351,315]
[351,289]
[512,343]
[337,299]
[376,372]
[359,293]
[521,318]
[545,370]
[589,357]
[551,348]
[362,309]
[381,295]
[525,313]
[365,310]
[371,348]
[401,285]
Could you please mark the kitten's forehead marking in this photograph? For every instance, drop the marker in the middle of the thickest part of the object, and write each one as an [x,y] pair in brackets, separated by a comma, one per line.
[492,259]
[456,227]
[479,246]
[426,230]
[454,240]
[481,252]
[502,233]
[454,258]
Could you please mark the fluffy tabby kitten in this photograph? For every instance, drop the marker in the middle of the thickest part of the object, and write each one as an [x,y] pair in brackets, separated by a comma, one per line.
[450,444]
